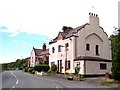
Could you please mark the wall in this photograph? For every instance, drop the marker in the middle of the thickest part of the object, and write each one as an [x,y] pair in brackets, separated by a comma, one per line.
[61,55]
[94,35]
[32,55]
[93,67]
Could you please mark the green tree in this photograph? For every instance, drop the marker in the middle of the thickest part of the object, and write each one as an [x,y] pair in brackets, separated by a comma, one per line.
[116,56]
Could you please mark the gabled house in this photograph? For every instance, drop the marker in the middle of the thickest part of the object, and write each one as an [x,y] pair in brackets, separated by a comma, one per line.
[37,56]
[86,47]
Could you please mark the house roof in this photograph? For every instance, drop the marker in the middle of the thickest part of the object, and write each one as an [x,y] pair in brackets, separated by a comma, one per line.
[89,58]
[45,52]
[69,33]
[37,51]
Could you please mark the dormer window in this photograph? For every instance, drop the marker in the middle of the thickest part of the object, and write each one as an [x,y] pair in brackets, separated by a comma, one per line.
[53,50]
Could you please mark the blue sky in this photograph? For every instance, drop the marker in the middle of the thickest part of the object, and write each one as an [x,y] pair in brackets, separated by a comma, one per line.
[20,46]
[28,23]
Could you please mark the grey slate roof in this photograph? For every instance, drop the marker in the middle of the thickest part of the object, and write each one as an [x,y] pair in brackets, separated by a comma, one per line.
[45,52]
[70,32]
[75,30]
[37,51]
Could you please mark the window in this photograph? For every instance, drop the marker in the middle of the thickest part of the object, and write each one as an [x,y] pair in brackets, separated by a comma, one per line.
[53,50]
[59,48]
[66,46]
[103,66]
[52,63]
[97,49]
[87,47]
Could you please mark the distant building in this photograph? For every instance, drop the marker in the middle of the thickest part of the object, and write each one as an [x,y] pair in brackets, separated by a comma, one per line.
[37,56]
[86,47]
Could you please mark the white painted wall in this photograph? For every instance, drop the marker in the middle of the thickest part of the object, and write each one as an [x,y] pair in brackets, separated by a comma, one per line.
[32,56]
[92,34]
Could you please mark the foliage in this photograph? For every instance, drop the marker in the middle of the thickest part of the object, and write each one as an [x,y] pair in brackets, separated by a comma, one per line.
[33,71]
[41,67]
[66,73]
[76,70]
[53,67]
[115,56]
[108,82]
[30,70]
[19,63]
[26,69]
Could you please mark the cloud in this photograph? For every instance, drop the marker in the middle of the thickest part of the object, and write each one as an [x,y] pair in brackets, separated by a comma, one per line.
[3,27]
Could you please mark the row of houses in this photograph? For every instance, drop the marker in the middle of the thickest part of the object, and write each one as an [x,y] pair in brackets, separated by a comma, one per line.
[86,47]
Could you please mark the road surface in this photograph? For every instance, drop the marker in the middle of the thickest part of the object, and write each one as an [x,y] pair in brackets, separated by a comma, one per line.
[18,79]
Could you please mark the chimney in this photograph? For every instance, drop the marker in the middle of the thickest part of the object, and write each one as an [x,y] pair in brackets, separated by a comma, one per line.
[44,47]
[93,19]
[66,29]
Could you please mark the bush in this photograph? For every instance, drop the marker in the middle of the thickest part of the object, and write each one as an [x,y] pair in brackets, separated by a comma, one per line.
[26,69]
[56,71]
[66,73]
[33,71]
[30,70]
[76,70]
[53,67]
[41,67]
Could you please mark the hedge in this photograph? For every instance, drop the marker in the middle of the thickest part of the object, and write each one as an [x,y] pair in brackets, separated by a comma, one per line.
[41,67]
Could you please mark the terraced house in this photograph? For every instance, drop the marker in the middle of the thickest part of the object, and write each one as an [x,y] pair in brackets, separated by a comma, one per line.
[86,47]
[37,56]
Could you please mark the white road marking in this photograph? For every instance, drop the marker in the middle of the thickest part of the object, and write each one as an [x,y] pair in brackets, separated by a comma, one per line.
[16,81]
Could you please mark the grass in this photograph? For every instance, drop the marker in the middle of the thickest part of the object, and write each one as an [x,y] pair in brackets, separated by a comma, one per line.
[109,82]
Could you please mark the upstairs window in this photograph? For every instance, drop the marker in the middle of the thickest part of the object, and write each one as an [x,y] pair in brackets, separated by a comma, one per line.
[53,50]
[97,49]
[59,48]
[66,46]
[87,47]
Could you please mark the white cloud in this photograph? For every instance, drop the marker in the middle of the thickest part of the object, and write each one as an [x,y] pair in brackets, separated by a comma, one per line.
[47,17]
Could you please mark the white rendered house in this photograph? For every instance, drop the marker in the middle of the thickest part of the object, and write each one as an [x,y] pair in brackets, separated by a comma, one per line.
[86,46]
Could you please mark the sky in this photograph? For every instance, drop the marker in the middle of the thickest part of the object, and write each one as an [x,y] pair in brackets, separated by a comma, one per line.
[25,24]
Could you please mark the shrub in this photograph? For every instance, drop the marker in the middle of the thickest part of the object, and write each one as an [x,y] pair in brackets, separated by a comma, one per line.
[53,67]
[76,70]
[33,71]
[66,73]
[41,67]
[26,69]
[56,71]
[30,70]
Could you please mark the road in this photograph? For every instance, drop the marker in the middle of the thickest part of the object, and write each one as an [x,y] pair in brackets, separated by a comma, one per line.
[20,79]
